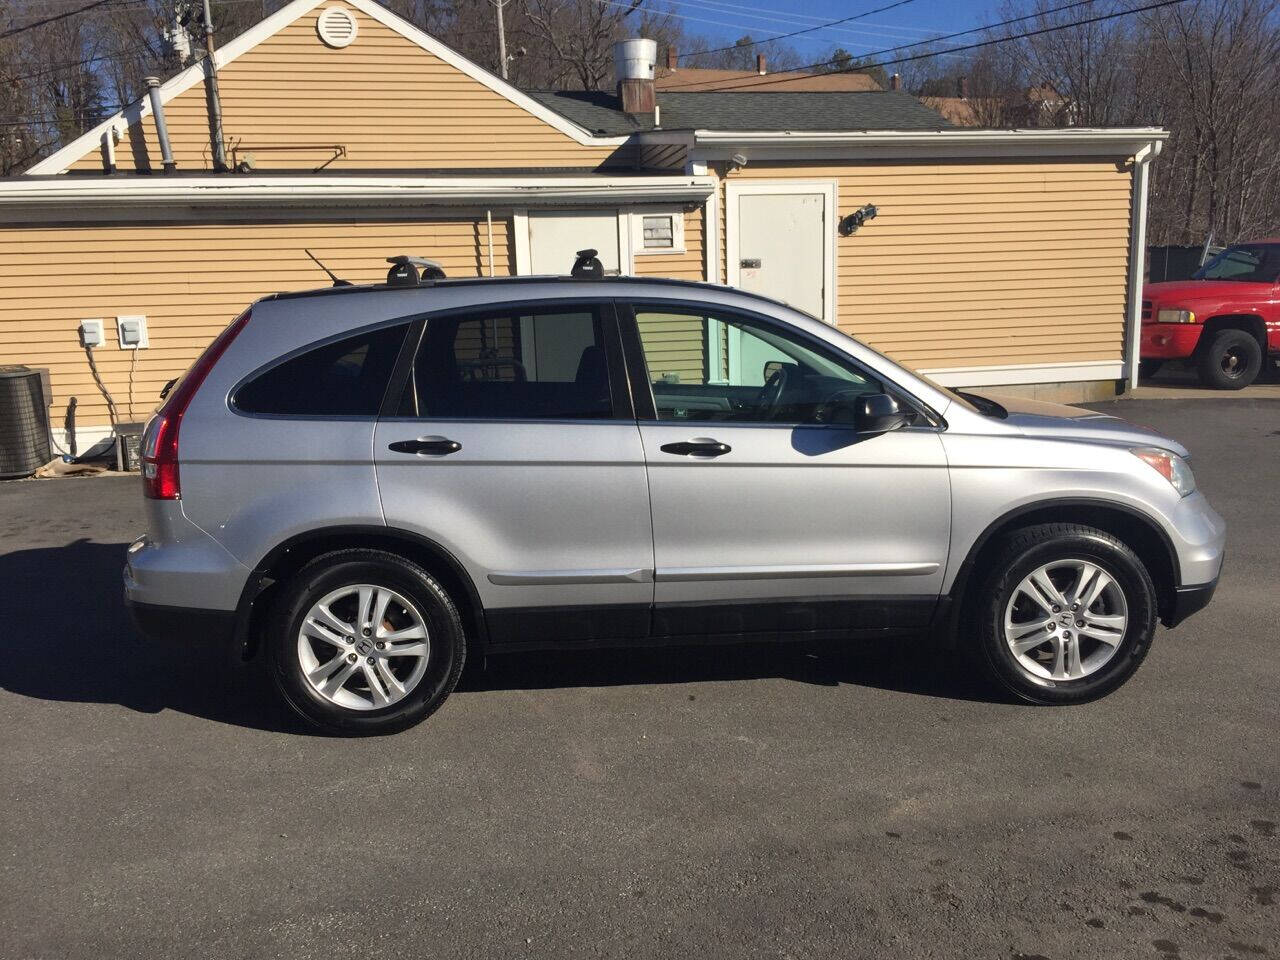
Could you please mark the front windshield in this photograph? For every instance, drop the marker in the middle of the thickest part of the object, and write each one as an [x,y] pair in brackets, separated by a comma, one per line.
[966,401]
[1246,263]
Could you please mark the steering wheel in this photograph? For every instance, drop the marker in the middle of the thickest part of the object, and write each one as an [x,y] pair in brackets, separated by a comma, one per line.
[772,392]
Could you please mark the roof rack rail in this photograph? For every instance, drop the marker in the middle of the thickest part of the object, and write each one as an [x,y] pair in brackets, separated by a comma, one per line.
[408,271]
[587,266]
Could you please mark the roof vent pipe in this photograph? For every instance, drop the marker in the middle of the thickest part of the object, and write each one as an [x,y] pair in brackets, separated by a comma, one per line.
[212,100]
[634,62]
[162,131]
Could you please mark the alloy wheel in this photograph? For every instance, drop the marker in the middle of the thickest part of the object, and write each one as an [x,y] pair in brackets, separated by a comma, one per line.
[1065,620]
[363,646]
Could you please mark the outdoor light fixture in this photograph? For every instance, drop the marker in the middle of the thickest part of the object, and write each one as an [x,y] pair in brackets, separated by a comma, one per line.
[850,224]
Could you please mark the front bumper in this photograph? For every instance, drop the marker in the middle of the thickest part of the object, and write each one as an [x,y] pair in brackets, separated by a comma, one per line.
[1169,341]
[1189,600]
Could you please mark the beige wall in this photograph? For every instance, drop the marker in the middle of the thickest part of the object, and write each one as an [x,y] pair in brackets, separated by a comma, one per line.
[392,105]
[979,263]
[189,281]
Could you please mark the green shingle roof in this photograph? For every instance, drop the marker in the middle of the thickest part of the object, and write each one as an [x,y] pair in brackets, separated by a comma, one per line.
[600,112]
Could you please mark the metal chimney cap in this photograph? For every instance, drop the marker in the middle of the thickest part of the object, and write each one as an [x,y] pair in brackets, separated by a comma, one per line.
[151,81]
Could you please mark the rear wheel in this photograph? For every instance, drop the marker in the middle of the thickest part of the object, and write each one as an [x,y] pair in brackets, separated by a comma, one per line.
[365,642]
[1067,614]
[1230,360]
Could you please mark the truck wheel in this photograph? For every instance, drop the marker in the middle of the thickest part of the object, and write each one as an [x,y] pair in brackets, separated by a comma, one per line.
[1230,361]
[1149,368]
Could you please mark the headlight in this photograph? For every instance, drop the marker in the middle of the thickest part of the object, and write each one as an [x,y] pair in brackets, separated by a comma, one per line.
[1175,316]
[1170,466]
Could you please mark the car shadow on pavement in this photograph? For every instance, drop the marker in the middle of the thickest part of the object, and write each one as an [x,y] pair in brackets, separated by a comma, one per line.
[68,637]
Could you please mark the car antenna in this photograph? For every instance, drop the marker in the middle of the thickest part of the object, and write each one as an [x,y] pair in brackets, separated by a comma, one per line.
[336,281]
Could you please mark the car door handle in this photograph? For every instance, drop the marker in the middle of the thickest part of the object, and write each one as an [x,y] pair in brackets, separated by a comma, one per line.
[697,447]
[437,446]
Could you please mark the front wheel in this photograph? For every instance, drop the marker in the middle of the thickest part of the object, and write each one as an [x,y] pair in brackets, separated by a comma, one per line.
[1230,361]
[1067,614]
[365,642]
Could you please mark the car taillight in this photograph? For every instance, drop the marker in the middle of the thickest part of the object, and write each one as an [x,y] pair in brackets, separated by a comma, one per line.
[160,480]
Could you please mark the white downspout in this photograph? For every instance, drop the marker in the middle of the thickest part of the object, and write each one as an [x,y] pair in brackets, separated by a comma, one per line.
[488,215]
[1137,256]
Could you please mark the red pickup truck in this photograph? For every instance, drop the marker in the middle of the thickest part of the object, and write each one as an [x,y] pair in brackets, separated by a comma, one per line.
[1225,319]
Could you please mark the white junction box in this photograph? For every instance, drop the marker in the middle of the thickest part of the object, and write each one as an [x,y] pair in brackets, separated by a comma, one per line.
[91,333]
[132,332]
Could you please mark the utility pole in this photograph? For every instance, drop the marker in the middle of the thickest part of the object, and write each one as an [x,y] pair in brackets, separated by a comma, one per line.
[502,36]
[215,103]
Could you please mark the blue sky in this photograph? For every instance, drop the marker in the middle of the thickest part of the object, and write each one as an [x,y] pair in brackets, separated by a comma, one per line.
[726,20]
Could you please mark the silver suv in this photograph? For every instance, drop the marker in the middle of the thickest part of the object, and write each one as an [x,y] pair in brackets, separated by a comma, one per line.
[368,484]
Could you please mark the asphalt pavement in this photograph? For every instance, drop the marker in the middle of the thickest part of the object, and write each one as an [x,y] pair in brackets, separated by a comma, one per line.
[723,802]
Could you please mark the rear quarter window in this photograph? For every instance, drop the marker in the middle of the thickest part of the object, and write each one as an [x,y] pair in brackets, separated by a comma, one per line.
[342,378]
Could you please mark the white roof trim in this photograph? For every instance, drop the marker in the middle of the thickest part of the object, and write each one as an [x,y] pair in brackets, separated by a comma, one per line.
[88,141]
[960,141]
[73,197]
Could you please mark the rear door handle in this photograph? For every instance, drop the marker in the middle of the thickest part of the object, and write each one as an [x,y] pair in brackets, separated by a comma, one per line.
[697,447]
[436,446]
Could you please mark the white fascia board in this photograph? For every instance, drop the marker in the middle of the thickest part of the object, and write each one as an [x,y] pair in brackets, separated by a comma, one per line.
[59,161]
[960,142]
[61,197]
[1024,373]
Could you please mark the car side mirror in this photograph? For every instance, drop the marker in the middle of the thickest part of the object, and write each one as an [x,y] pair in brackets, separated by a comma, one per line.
[878,413]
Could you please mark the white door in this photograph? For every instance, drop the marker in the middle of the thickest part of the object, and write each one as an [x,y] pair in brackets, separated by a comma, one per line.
[781,243]
[556,236]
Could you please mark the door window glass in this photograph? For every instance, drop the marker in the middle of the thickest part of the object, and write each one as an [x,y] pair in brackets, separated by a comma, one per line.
[705,367]
[515,363]
[346,377]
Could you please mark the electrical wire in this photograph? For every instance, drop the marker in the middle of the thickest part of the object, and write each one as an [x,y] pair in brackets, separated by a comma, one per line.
[13,32]
[789,17]
[884,31]
[863,65]
[797,33]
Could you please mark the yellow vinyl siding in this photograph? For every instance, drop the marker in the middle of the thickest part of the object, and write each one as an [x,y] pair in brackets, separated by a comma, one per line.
[674,346]
[392,105]
[980,263]
[189,280]
[690,265]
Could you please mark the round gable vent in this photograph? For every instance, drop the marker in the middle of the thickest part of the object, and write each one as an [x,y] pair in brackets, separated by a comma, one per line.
[336,26]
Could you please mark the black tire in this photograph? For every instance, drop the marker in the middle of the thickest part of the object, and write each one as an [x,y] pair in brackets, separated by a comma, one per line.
[1230,360]
[333,571]
[1022,553]
[1149,368]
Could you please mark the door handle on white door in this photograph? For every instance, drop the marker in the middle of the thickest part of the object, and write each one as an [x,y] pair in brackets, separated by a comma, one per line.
[697,447]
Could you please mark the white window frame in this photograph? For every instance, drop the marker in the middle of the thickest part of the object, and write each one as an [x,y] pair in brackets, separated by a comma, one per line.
[830,191]
[637,215]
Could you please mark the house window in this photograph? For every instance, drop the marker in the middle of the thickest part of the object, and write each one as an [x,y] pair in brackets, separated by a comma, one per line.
[658,231]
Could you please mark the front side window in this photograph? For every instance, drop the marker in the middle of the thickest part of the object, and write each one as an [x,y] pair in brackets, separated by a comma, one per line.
[514,363]
[710,368]
[343,378]
[1248,263]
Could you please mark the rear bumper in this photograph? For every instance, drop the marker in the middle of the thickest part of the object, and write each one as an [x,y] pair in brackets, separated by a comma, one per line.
[189,625]
[1169,341]
[1189,600]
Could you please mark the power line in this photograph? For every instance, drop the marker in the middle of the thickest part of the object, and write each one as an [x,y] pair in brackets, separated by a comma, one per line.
[866,29]
[764,81]
[54,19]
[801,18]
[796,33]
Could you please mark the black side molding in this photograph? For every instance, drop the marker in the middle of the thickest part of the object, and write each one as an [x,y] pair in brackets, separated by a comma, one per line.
[1189,600]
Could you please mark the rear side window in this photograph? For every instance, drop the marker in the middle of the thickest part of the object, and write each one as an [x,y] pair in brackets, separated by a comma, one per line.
[513,364]
[343,378]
